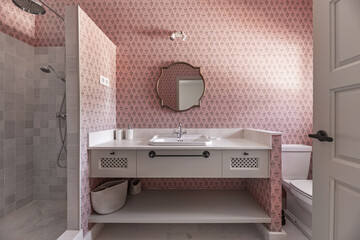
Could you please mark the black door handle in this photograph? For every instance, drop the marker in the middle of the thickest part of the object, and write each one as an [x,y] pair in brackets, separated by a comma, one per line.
[322,136]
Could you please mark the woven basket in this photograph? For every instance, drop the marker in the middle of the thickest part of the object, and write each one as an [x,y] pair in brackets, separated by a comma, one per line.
[109,197]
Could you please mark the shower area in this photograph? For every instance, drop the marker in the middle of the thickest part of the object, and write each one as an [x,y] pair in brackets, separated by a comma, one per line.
[33,177]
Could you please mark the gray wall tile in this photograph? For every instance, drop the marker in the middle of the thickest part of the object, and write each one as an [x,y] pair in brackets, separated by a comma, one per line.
[29,138]
[49,183]
[17,60]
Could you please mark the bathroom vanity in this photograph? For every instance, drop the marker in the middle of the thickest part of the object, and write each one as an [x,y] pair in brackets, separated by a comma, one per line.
[233,153]
[235,158]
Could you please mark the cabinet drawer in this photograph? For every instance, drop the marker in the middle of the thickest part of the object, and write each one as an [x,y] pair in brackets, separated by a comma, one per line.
[108,163]
[175,165]
[246,164]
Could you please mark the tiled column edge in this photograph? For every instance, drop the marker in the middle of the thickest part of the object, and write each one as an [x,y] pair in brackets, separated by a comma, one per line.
[73,117]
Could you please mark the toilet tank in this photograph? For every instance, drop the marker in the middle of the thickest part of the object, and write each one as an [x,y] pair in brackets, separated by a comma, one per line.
[295,161]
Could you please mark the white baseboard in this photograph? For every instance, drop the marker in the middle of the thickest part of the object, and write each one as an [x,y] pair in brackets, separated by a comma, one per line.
[298,224]
[94,232]
[72,235]
[267,235]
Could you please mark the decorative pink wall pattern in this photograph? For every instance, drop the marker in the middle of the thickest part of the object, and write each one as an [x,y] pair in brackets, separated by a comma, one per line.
[97,56]
[193,183]
[17,23]
[267,192]
[50,29]
[256,58]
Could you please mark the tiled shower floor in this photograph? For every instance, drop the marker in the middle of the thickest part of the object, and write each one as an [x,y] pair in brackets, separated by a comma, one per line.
[39,220]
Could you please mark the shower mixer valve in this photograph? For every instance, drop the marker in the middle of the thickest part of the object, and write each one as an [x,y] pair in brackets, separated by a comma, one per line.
[60,115]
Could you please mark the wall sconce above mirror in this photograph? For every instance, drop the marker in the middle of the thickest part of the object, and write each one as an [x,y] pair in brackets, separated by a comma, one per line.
[180,86]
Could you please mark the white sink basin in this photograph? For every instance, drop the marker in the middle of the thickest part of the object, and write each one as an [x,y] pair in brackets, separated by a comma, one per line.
[185,140]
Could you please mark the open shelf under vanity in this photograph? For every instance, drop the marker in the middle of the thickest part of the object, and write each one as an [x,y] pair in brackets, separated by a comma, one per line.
[187,206]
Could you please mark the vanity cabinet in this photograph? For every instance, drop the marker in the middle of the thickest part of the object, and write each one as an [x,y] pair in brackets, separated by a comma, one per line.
[234,153]
[180,163]
[246,164]
[172,163]
[110,163]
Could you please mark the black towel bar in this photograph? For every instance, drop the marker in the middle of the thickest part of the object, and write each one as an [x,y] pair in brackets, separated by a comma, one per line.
[205,154]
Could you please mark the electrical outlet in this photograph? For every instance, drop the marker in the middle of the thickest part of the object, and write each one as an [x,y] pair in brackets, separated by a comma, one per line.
[104,81]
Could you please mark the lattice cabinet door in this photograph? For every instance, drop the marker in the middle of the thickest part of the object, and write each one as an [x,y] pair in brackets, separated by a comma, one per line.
[246,164]
[109,163]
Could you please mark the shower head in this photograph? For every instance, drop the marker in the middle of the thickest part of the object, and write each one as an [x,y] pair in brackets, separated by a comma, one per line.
[49,69]
[34,7]
[45,69]
[30,6]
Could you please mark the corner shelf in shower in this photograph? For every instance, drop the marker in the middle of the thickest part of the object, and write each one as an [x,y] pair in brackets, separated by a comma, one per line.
[187,206]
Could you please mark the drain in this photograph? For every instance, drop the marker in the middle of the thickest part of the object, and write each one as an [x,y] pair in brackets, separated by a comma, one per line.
[44,221]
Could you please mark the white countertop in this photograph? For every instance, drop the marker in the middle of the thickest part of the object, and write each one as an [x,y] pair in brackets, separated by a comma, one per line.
[142,144]
[222,139]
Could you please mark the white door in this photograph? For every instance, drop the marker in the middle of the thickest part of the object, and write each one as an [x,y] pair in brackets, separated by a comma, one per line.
[336,201]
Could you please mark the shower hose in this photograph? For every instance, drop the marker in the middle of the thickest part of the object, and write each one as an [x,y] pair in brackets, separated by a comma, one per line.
[62,116]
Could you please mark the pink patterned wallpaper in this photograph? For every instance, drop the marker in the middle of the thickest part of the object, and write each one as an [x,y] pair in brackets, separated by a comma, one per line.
[17,23]
[97,56]
[256,58]
[193,183]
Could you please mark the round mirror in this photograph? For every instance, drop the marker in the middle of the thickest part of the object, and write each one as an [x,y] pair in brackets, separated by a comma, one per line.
[180,86]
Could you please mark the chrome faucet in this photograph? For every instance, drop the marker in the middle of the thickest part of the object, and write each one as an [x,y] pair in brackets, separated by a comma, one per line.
[179,133]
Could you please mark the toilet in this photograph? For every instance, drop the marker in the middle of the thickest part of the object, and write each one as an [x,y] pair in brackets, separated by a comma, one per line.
[295,169]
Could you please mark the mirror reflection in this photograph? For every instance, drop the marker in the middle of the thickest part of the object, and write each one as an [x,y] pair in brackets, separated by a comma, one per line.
[180,86]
